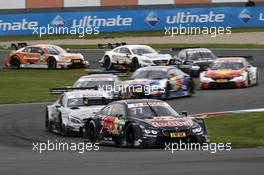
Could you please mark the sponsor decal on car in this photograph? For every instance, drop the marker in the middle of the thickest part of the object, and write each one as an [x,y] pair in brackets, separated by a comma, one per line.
[172,123]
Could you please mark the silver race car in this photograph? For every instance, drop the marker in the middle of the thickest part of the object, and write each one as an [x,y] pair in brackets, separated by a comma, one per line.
[66,115]
[106,82]
[133,56]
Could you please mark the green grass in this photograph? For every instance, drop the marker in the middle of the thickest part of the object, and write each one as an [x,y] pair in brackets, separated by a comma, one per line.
[242,130]
[110,35]
[26,86]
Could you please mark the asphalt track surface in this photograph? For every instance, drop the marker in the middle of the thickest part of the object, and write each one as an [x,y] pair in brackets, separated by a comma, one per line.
[23,124]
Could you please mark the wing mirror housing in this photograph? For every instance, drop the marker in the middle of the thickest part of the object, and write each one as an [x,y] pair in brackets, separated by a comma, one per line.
[119,116]
[184,113]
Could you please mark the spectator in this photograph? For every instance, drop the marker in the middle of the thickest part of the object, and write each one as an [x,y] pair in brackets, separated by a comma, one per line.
[250,3]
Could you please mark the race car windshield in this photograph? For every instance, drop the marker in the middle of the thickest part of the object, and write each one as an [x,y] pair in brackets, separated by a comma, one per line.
[78,102]
[143,50]
[98,84]
[200,55]
[208,55]
[227,65]
[152,111]
[54,50]
[75,102]
[150,74]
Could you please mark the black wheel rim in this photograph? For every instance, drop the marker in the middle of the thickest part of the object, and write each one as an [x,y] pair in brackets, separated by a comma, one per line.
[107,63]
[135,65]
[15,63]
[91,133]
[51,64]
[130,137]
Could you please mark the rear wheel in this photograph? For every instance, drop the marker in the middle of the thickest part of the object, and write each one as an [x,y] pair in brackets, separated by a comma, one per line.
[52,63]
[15,62]
[135,64]
[107,63]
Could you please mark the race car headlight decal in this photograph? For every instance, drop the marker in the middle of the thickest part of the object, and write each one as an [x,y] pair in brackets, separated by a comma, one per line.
[197,130]
[239,78]
[75,120]
[154,132]
[148,131]
[206,79]
[146,61]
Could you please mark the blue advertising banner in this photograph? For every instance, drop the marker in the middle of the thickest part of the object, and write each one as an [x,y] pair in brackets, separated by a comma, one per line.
[134,20]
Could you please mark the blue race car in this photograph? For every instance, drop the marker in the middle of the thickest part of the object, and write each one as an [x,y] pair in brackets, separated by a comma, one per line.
[160,82]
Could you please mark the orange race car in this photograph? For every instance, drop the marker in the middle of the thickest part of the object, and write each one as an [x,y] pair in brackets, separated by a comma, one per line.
[228,73]
[44,56]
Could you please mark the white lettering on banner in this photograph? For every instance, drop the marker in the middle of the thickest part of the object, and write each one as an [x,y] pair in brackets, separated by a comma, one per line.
[183,17]
[18,25]
[108,22]
[261,17]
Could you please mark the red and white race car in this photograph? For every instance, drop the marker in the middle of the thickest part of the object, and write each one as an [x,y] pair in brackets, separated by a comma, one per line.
[228,73]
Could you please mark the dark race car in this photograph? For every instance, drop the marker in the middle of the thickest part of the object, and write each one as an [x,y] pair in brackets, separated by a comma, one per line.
[195,60]
[142,123]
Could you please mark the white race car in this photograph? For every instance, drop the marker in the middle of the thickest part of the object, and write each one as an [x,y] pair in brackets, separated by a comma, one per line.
[229,72]
[133,56]
[66,115]
[107,82]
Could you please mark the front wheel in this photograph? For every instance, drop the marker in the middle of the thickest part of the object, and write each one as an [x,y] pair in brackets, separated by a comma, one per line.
[135,64]
[107,63]
[90,132]
[15,62]
[47,122]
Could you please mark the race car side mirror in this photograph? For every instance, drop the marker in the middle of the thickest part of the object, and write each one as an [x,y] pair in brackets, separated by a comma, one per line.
[58,106]
[119,116]
[184,113]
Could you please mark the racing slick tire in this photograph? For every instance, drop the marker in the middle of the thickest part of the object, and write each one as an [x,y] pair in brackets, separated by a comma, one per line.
[90,133]
[247,82]
[130,135]
[15,62]
[47,122]
[134,64]
[107,63]
[191,88]
[257,78]
[52,63]
[62,128]
[167,91]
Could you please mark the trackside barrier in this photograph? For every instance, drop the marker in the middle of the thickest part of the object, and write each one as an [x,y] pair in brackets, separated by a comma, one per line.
[148,19]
